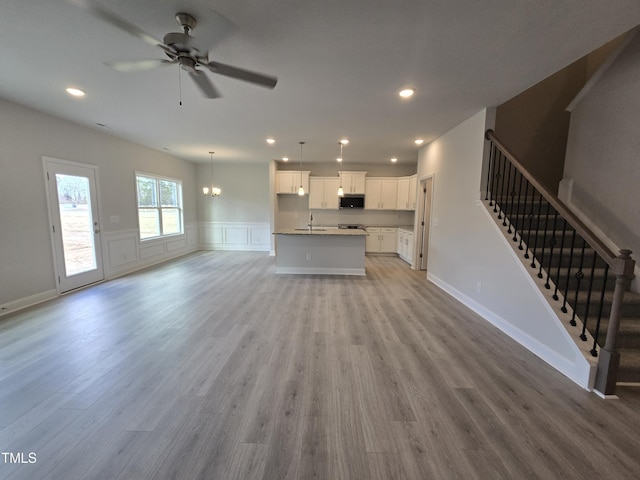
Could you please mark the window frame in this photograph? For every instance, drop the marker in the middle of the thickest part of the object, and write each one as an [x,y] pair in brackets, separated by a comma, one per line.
[158,207]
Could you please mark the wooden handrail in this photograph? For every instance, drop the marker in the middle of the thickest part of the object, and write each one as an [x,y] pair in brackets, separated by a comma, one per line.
[605,252]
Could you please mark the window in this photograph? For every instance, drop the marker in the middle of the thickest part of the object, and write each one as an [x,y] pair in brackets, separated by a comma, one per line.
[159,206]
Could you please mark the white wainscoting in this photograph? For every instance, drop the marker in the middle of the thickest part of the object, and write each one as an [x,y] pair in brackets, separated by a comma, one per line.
[125,253]
[235,236]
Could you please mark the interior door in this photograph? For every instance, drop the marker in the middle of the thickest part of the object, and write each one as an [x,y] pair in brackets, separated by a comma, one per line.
[75,226]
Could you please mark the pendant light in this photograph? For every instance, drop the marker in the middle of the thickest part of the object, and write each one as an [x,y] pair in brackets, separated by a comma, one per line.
[301,189]
[215,191]
[340,190]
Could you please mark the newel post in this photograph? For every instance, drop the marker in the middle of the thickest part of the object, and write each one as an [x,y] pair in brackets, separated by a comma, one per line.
[607,371]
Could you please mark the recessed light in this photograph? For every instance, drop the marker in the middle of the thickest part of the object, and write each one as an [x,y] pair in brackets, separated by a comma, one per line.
[418,141]
[339,159]
[285,159]
[271,141]
[344,141]
[407,92]
[76,92]
[394,160]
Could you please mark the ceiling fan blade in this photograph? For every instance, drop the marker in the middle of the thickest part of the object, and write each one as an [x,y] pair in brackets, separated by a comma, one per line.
[242,74]
[205,85]
[139,65]
[120,22]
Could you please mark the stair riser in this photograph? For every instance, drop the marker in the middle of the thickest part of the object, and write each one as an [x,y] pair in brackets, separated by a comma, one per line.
[626,310]
[584,285]
[564,259]
[631,375]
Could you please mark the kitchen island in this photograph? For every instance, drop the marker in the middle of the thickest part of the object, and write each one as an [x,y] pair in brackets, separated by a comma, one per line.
[325,251]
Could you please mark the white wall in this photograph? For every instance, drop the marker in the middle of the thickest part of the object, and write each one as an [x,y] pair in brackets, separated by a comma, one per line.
[468,252]
[603,148]
[26,260]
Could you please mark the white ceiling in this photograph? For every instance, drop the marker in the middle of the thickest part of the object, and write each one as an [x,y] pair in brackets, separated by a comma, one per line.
[340,65]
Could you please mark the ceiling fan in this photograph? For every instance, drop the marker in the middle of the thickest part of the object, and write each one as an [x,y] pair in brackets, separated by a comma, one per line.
[181,49]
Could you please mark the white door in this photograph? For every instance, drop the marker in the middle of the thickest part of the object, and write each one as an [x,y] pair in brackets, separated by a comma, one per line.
[75,227]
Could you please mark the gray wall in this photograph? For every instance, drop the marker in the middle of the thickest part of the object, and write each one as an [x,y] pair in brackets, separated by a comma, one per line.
[245,193]
[534,124]
[26,260]
[603,151]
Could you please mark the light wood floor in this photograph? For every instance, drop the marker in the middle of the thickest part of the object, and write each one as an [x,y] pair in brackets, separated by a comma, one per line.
[213,367]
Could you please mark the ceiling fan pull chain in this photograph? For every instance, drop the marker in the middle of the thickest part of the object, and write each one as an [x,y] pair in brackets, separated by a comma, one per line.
[180,84]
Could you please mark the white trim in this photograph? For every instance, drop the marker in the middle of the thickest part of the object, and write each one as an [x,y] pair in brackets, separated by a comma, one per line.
[29,301]
[124,254]
[320,271]
[238,236]
[595,78]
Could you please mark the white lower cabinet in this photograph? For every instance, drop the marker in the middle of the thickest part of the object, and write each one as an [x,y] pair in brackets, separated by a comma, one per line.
[380,240]
[405,245]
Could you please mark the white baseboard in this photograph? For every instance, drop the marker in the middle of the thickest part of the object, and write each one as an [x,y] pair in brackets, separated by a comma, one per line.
[320,271]
[29,301]
[582,374]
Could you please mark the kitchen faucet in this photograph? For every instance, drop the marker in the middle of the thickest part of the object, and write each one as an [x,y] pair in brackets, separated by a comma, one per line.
[310,224]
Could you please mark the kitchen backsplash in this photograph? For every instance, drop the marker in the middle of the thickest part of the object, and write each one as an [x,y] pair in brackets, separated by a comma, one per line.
[293,212]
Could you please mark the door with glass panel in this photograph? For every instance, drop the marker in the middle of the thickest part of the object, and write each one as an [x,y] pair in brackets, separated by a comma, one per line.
[75,226]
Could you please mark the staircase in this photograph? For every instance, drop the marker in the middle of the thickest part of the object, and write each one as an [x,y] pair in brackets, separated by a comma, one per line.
[572,269]
[588,282]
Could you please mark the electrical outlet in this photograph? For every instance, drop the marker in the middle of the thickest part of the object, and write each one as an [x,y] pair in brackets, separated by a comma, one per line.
[479,287]
[308,257]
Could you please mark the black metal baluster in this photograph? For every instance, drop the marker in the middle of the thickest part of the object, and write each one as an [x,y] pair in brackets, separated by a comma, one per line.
[583,335]
[510,193]
[502,189]
[535,243]
[566,287]
[579,276]
[529,217]
[497,180]
[492,154]
[520,220]
[544,240]
[564,229]
[594,349]
[552,244]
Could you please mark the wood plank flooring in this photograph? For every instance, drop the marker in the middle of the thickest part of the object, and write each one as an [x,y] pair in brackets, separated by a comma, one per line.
[213,367]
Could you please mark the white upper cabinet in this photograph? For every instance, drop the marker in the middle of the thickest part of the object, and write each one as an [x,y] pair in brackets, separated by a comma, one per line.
[407,193]
[323,193]
[353,182]
[288,181]
[381,194]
